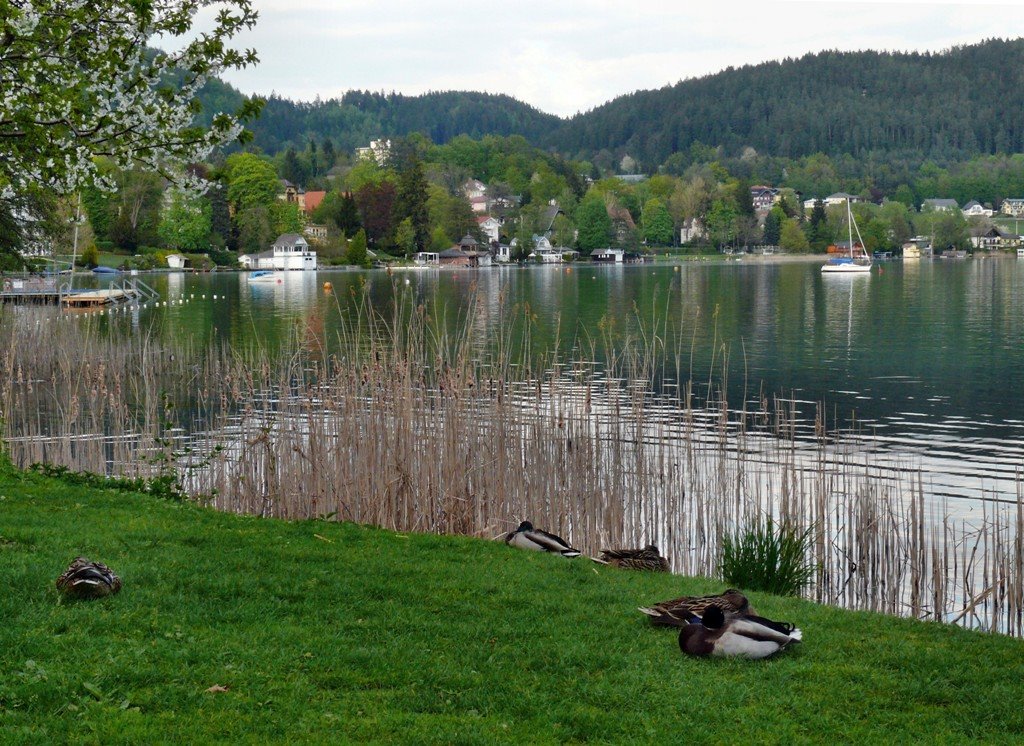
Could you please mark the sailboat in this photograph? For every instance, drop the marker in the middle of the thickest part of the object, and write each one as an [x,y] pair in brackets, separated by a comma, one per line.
[850,264]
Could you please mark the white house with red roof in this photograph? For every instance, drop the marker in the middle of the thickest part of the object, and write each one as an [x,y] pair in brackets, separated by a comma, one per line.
[489,226]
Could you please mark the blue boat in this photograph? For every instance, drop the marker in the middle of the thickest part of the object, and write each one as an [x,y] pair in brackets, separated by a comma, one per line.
[106,271]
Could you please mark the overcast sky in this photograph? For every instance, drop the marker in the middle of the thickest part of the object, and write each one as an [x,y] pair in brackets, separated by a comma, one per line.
[564,56]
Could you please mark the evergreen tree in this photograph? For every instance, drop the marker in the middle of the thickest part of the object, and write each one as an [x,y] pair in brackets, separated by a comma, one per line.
[818,233]
[357,254]
[411,201]
[773,225]
[222,232]
[292,169]
[329,155]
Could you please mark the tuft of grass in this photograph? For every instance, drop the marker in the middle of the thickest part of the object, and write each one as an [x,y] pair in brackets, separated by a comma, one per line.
[769,558]
[236,629]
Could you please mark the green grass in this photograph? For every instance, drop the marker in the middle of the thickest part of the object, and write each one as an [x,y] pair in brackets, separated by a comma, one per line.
[370,636]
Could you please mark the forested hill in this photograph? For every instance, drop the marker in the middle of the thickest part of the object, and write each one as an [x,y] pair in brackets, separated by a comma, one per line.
[948,105]
[359,117]
[944,106]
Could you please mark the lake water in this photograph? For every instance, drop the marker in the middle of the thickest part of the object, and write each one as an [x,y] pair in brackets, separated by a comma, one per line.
[924,360]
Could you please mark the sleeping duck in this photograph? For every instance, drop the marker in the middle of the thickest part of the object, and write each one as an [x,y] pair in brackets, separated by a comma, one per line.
[85,579]
[528,537]
[677,612]
[741,635]
[648,558]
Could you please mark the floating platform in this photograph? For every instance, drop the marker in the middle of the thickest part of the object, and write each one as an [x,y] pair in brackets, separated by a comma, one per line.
[93,298]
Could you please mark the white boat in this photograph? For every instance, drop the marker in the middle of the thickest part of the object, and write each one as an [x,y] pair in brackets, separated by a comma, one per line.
[266,276]
[851,264]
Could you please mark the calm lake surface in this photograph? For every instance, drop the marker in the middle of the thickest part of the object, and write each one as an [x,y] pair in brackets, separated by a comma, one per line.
[924,360]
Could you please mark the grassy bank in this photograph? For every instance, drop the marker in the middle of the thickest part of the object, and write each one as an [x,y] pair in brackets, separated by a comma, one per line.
[326,631]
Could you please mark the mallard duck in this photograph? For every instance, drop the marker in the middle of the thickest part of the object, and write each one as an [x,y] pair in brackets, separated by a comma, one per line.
[85,579]
[528,537]
[678,612]
[648,558]
[740,635]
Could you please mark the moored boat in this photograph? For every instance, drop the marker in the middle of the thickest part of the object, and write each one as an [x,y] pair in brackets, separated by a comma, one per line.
[853,262]
[268,276]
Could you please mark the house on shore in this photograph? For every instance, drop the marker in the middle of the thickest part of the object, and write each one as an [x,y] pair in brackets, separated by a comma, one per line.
[290,251]
[465,254]
[995,239]
[610,256]
[176,261]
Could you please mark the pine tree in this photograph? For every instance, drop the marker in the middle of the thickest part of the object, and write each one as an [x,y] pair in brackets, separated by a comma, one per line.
[773,225]
[411,200]
[357,254]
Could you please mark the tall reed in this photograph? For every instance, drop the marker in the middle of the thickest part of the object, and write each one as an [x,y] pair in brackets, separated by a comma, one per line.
[419,419]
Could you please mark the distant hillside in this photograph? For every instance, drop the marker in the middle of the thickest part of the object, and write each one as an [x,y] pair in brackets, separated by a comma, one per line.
[949,105]
[358,117]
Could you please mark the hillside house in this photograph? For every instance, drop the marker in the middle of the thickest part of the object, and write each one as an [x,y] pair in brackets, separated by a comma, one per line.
[840,198]
[489,226]
[692,230]
[474,188]
[945,205]
[974,209]
[763,197]
[1013,207]
[379,151]
[314,232]
[622,223]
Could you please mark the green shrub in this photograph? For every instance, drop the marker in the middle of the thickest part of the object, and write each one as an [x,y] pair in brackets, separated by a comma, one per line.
[761,558]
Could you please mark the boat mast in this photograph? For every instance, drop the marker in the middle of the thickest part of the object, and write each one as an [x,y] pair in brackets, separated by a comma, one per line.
[849,225]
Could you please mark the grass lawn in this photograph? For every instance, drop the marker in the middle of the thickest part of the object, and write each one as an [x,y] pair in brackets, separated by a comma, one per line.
[342,633]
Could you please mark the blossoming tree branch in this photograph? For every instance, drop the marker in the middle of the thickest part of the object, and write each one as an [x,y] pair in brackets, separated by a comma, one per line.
[80,79]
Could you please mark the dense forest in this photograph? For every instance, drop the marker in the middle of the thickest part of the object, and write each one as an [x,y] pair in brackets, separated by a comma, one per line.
[361,116]
[947,106]
[873,106]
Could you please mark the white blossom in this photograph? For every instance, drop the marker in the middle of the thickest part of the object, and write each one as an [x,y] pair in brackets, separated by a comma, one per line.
[77,82]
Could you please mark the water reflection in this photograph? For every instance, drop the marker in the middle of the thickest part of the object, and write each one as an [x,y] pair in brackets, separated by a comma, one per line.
[921,359]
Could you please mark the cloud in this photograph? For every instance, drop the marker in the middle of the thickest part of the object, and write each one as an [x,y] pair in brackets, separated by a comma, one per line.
[568,56]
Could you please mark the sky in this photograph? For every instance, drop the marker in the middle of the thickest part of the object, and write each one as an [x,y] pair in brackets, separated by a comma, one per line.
[567,56]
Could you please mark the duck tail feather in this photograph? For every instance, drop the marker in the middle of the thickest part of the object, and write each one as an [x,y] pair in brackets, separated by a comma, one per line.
[570,553]
[662,618]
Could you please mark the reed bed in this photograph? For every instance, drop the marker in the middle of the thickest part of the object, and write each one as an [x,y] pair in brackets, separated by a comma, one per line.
[408,421]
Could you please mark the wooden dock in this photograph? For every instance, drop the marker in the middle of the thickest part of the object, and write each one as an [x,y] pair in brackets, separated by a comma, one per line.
[43,292]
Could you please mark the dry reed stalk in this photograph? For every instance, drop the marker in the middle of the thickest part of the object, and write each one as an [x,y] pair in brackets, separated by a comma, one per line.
[408,422]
